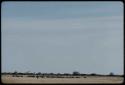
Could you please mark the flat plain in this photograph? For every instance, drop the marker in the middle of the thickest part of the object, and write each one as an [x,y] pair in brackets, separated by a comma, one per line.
[81,80]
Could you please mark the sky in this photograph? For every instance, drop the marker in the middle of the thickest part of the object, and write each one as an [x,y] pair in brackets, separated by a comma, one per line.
[62,37]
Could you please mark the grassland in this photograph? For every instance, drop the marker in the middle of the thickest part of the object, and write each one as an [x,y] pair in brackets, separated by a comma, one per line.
[82,80]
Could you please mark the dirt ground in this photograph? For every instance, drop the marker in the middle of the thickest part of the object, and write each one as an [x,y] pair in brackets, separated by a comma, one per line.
[88,79]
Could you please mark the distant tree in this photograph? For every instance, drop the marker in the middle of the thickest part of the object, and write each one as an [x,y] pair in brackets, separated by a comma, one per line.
[111,74]
[51,73]
[93,74]
[75,73]
[39,73]
[15,73]
[66,74]
[26,73]
[83,74]
[58,74]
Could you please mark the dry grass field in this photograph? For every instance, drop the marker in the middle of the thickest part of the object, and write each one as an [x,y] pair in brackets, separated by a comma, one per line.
[87,80]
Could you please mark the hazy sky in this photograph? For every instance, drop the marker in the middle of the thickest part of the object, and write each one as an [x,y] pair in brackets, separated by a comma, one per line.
[62,37]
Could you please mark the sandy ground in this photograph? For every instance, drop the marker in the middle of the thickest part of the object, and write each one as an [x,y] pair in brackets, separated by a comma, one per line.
[90,79]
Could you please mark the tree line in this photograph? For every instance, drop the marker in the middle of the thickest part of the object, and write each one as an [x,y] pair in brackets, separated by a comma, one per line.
[74,74]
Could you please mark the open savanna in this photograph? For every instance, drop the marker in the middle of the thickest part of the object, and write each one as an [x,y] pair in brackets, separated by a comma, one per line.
[83,80]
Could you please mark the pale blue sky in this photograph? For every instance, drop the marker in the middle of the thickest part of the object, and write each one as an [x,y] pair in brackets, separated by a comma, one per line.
[62,37]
